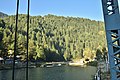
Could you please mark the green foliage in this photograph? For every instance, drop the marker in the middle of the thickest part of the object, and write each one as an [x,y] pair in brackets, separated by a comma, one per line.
[98,54]
[93,63]
[40,53]
[53,38]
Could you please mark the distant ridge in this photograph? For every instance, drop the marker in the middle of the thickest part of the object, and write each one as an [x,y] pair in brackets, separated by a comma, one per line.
[2,15]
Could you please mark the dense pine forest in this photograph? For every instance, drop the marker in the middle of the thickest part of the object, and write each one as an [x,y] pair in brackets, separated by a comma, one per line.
[53,38]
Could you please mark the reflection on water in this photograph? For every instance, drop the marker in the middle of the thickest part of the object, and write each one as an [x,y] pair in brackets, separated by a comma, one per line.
[55,73]
[3,75]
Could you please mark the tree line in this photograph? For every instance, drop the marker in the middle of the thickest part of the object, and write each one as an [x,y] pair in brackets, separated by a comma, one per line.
[53,38]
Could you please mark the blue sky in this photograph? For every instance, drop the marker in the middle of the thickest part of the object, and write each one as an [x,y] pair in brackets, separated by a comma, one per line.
[91,9]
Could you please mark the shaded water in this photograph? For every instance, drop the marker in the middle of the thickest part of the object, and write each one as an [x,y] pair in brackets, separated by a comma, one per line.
[55,73]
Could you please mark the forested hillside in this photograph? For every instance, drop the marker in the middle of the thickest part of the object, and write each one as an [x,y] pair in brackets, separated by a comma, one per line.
[53,38]
[3,15]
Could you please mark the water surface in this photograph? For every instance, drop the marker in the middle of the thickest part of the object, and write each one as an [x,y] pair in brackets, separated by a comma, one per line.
[54,73]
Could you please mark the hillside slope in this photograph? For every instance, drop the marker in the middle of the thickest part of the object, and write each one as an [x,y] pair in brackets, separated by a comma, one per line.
[3,15]
[55,38]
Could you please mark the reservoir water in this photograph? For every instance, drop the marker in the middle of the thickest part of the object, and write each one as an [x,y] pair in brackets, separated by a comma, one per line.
[53,73]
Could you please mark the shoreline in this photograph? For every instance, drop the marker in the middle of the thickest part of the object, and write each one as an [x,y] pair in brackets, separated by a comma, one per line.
[42,64]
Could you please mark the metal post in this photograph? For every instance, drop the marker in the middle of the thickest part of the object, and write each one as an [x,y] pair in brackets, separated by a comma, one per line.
[27,39]
[112,27]
[15,44]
